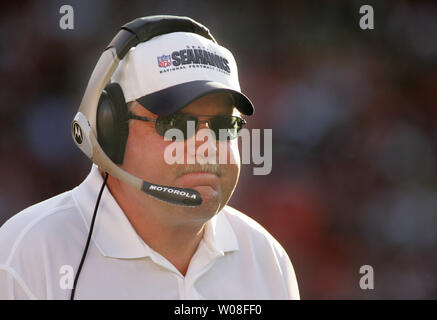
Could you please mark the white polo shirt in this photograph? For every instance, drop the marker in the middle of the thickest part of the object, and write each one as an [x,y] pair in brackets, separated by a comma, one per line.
[41,247]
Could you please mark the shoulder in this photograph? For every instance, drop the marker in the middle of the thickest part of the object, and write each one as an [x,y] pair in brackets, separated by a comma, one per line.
[35,242]
[250,232]
[258,247]
[36,226]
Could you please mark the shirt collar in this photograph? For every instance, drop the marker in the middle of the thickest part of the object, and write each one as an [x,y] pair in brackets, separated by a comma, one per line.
[115,237]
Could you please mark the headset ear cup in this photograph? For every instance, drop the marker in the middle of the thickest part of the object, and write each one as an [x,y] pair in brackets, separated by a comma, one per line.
[112,122]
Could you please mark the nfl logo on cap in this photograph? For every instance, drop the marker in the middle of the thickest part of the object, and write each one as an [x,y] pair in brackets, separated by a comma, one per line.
[164,61]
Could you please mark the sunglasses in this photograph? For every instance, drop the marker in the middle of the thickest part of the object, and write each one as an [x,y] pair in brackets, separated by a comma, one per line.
[227,125]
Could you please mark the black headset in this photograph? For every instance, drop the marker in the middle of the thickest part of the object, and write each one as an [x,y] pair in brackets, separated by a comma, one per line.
[112,111]
[112,122]
[109,119]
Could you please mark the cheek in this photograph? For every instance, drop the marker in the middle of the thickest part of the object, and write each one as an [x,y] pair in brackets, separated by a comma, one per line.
[234,152]
[232,166]
[228,152]
[144,150]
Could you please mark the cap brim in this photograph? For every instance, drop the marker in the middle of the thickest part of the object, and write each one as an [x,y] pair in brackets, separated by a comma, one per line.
[172,99]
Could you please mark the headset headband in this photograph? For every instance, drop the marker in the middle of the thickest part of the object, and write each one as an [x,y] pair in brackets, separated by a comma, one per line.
[146,28]
[84,124]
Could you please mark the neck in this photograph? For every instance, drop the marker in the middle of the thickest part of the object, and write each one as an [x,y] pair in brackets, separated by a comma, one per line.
[160,225]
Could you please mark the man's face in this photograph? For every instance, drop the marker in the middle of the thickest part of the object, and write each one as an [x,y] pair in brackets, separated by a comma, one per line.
[144,157]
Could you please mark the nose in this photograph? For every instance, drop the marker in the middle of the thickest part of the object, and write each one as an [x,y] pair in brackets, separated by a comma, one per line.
[203,123]
[205,144]
[203,135]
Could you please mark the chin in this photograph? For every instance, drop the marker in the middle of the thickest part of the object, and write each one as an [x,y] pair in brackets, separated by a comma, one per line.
[211,203]
[211,198]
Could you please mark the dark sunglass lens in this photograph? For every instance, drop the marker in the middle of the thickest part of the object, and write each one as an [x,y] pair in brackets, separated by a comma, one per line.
[226,127]
[162,124]
[187,125]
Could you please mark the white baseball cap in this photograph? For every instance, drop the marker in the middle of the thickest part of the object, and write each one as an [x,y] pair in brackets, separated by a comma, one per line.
[170,71]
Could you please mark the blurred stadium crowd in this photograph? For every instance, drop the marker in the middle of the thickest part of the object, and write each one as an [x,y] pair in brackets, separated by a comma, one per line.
[353,113]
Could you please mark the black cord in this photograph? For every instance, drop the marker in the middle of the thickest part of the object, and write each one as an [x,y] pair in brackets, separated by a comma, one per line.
[89,237]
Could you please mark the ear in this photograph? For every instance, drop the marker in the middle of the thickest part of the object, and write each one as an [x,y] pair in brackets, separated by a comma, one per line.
[112,122]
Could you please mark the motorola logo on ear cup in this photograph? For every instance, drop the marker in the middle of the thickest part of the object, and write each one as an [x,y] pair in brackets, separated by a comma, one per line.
[77,133]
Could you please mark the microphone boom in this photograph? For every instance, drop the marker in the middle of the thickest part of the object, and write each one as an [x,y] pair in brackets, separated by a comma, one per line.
[174,195]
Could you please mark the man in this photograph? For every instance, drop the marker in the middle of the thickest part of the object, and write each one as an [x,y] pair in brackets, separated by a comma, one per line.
[144,248]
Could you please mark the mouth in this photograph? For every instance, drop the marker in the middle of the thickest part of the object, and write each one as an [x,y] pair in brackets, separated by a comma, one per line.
[200,177]
[200,170]
[197,179]
[198,173]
